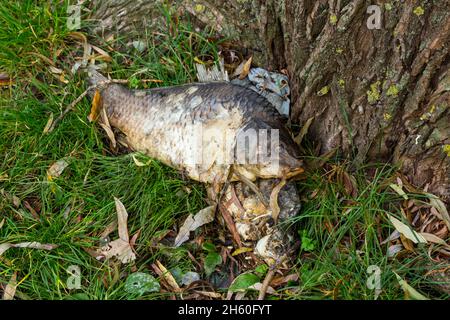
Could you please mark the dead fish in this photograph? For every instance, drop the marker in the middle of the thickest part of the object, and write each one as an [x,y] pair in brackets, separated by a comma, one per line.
[253,220]
[199,128]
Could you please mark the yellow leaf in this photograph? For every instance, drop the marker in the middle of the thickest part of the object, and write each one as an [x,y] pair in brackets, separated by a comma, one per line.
[241,250]
[49,123]
[96,106]
[168,277]
[246,68]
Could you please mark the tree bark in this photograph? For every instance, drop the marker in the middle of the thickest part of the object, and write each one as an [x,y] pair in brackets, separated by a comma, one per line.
[377,94]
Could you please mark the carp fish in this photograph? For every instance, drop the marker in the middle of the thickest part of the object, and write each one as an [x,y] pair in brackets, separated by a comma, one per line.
[205,130]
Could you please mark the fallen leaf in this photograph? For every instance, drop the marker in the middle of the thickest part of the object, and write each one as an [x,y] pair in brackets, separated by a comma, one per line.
[441,208]
[49,124]
[410,292]
[192,223]
[434,239]
[241,250]
[56,169]
[10,290]
[139,163]
[168,277]
[2,223]
[393,236]
[274,199]
[394,249]
[408,244]
[246,68]
[5,79]
[121,247]
[95,107]
[103,54]
[209,294]
[257,286]
[406,230]
[399,190]
[31,245]
[87,47]
[107,127]
[299,138]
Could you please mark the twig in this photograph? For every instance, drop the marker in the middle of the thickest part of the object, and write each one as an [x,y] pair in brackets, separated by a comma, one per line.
[265,285]
[269,276]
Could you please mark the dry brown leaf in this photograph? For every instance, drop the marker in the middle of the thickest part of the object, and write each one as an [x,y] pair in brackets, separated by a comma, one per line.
[407,231]
[408,244]
[87,47]
[209,294]
[10,290]
[107,127]
[103,54]
[168,277]
[121,247]
[56,169]
[434,239]
[441,208]
[31,245]
[246,68]
[192,223]
[5,79]
[257,286]
[48,124]
[299,138]
[274,200]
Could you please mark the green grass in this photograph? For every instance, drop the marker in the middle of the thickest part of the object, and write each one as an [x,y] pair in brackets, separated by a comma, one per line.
[75,208]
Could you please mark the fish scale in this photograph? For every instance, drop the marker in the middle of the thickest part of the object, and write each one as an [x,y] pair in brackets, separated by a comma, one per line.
[195,128]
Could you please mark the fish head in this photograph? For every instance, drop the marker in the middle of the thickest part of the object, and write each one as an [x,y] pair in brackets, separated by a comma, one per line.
[275,155]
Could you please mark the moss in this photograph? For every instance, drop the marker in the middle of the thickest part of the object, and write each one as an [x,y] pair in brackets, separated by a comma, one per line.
[388,6]
[341,83]
[418,11]
[339,50]
[373,95]
[199,8]
[392,91]
[333,19]
[323,91]
[387,116]
[446,149]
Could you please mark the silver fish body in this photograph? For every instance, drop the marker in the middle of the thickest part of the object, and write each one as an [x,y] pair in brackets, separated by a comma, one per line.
[195,128]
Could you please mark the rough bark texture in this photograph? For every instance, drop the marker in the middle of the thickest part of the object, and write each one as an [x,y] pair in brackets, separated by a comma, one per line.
[379,94]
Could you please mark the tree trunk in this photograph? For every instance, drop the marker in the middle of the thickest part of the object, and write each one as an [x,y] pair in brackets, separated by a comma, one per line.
[377,94]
